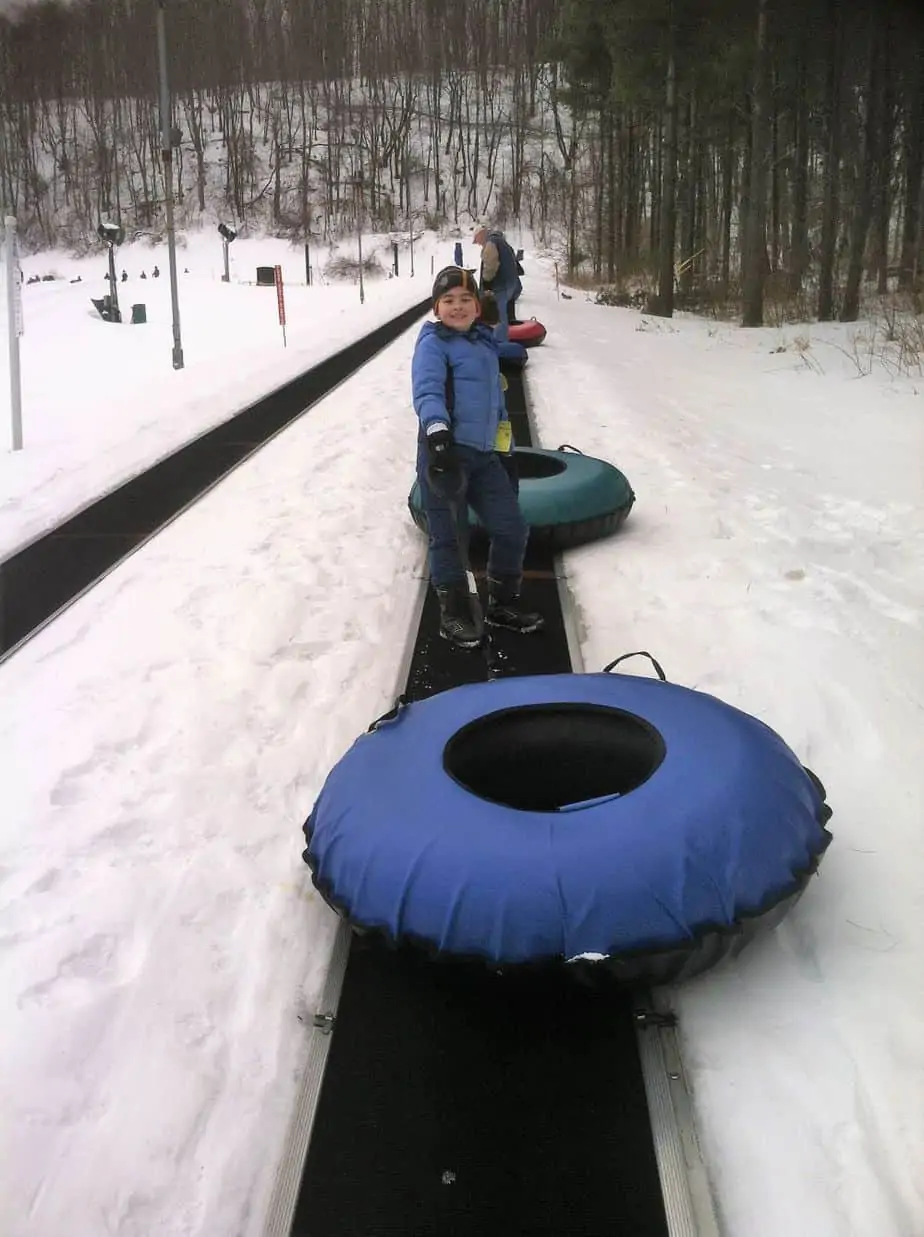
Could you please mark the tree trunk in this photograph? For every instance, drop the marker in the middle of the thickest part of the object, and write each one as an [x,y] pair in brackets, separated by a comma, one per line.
[688,199]
[600,192]
[728,168]
[744,184]
[630,196]
[913,158]
[831,207]
[277,172]
[883,171]
[774,180]
[655,157]
[664,303]
[612,206]
[863,212]
[572,222]
[799,250]
[755,249]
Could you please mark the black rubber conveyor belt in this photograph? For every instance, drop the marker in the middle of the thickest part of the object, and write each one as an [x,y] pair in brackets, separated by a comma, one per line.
[51,571]
[460,1103]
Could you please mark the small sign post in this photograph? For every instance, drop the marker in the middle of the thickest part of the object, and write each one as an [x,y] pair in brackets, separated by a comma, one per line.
[281,303]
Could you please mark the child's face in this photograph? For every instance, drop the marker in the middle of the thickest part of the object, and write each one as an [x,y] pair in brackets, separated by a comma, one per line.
[457,309]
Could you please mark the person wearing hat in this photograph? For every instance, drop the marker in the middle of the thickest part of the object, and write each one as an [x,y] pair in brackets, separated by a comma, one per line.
[500,273]
[459,400]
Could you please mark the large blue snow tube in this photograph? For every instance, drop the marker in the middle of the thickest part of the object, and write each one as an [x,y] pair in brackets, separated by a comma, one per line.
[567,498]
[625,826]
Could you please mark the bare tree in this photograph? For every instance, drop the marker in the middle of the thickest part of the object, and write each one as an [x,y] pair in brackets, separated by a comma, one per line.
[664,303]
[867,163]
[755,246]
[913,167]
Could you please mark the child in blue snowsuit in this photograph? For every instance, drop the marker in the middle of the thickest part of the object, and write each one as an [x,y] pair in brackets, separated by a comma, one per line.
[459,401]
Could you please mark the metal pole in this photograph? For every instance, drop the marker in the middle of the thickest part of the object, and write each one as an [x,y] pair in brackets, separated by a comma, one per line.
[115,314]
[359,236]
[412,248]
[14,307]
[167,155]
[307,265]
[226,277]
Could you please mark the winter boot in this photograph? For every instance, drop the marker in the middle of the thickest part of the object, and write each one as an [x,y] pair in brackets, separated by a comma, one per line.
[503,611]
[456,622]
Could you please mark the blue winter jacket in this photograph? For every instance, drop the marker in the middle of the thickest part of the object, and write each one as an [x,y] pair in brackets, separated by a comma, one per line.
[476,384]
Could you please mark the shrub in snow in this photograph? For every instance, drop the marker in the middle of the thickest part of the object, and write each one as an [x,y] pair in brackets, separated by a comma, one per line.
[344,267]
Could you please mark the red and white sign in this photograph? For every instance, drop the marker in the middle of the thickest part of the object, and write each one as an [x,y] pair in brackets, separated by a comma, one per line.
[280,296]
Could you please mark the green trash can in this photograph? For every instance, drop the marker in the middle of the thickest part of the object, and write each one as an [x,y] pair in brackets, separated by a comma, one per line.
[139,313]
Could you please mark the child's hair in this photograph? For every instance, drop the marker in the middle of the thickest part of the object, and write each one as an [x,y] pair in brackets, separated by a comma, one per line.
[454,277]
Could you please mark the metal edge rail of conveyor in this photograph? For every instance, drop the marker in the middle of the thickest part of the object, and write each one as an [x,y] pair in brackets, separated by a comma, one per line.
[284,1197]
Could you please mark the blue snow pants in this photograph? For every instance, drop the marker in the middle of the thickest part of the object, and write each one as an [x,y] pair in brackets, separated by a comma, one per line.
[489,492]
[503,296]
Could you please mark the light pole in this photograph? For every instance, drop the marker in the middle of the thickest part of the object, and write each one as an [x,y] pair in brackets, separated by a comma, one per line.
[413,217]
[112,234]
[169,139]
[14,305]
[411,213]
[227,236]
[358,184]
[309,273]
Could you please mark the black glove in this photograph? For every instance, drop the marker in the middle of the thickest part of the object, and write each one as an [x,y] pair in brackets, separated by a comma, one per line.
[444,471]
[442,451]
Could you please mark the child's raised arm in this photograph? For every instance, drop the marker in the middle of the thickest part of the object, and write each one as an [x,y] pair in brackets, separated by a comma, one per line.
[428,382]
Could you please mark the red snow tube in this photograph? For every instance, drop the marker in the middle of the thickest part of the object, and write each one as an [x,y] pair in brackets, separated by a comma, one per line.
[527,333]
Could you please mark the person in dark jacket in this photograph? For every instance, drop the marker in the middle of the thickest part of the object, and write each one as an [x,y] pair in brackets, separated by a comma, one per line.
[499,274]
[463,424]
[512,319]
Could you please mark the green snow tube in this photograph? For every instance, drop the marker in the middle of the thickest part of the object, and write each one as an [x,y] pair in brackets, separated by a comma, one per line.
[566,497]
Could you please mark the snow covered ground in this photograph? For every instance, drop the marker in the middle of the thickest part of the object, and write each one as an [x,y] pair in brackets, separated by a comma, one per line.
[101,402]
[163,740]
